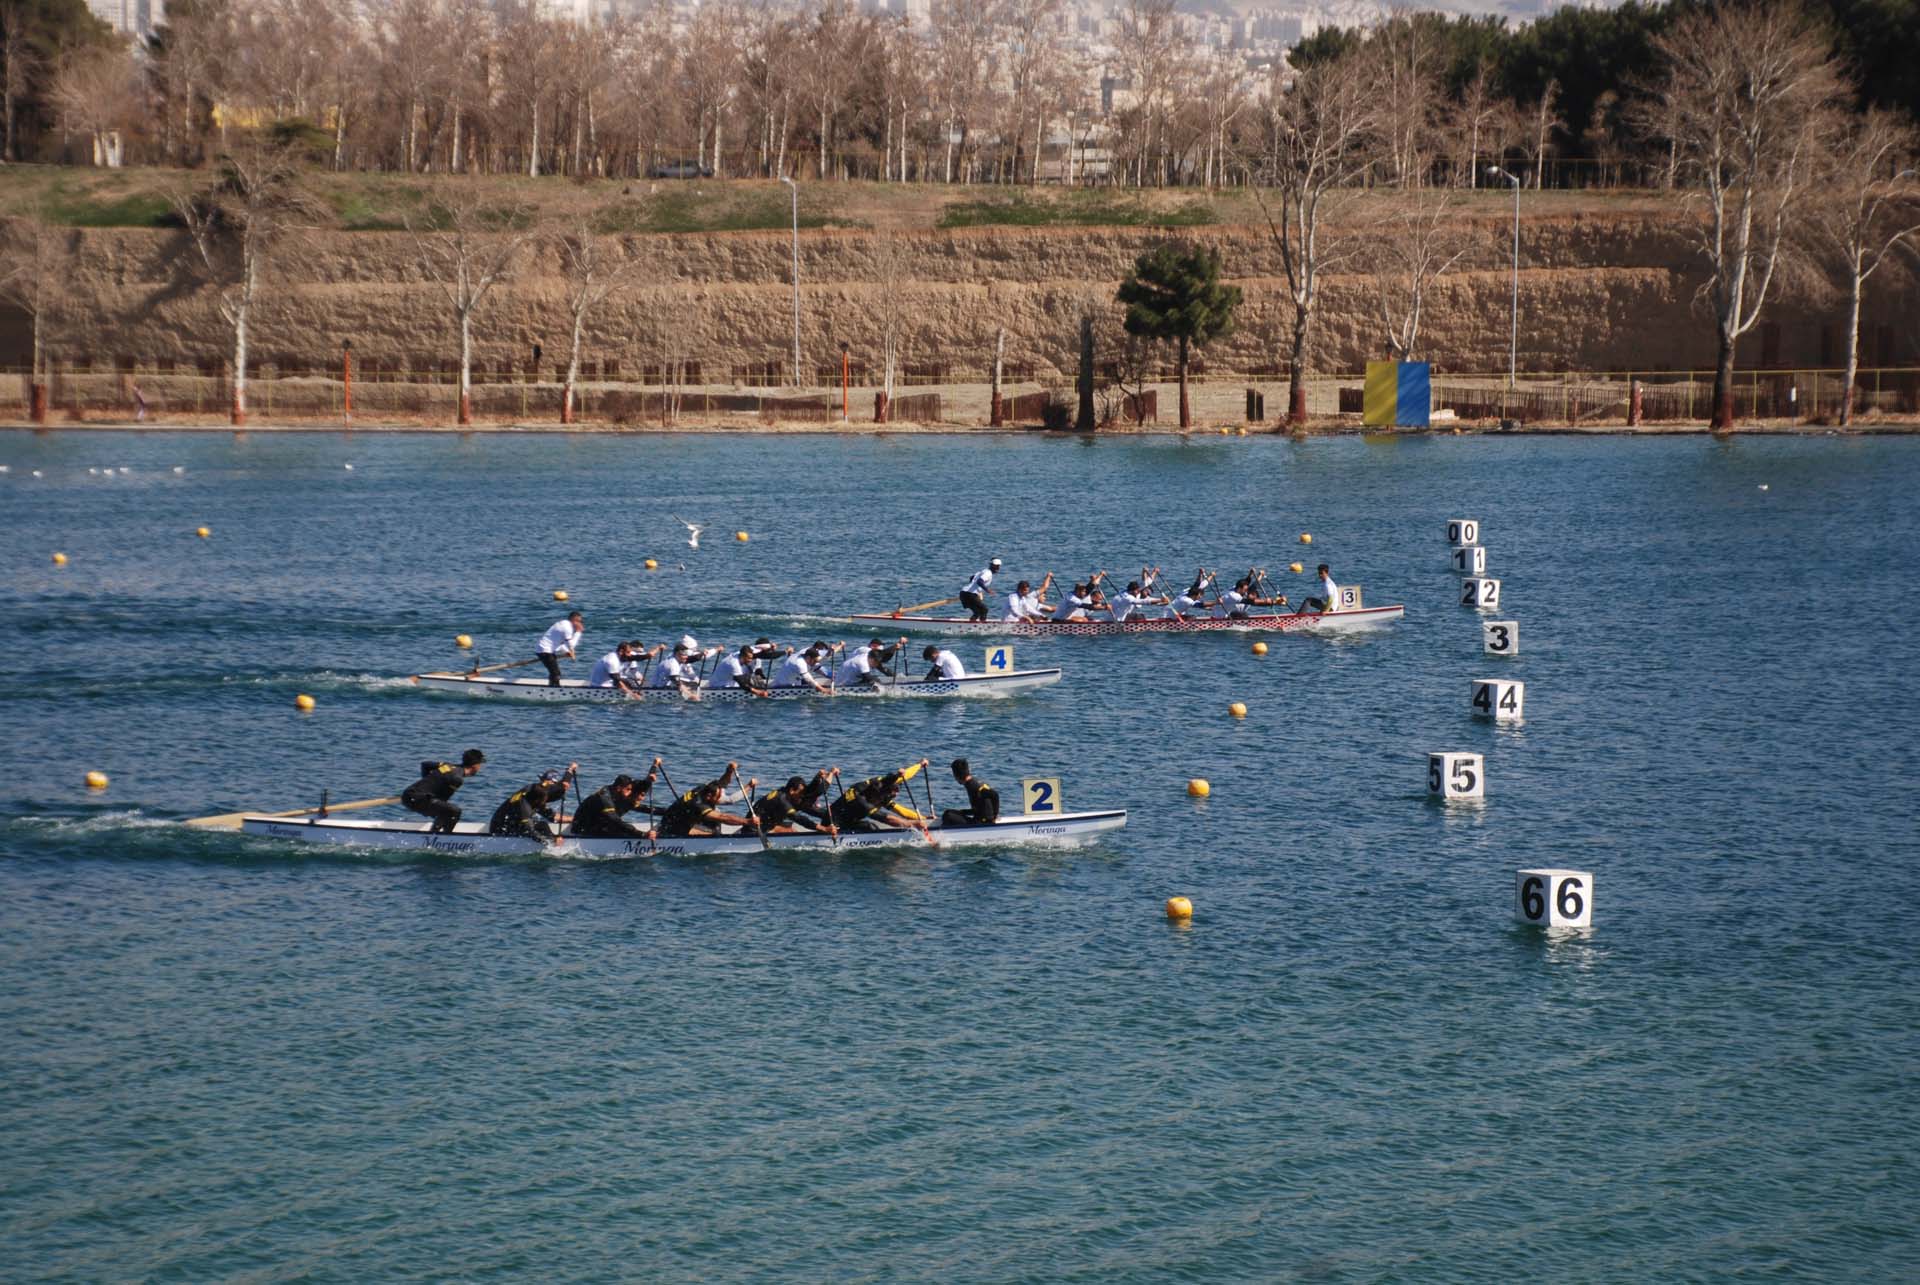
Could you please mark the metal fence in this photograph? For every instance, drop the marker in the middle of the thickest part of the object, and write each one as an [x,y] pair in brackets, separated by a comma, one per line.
[379,395]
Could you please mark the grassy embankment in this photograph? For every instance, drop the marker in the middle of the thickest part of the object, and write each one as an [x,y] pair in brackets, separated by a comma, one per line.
[140,198]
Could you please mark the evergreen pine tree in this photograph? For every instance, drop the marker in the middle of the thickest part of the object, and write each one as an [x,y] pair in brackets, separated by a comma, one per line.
[1174,292]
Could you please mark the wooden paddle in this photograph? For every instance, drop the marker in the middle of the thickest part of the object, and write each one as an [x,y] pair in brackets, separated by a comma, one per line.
[231,820]
[753,811]
[922,606]
[512,664]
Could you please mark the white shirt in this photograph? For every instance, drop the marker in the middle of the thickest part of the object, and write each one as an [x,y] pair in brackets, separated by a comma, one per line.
[1073,608]
[728,673]
[1230,601]
[1187,605]
[949,665]
[793,672]
[635,671]
[1124,604]
[982,581]
[561,638]
[858,664]
[671,671]
[605,668]
[1330,593]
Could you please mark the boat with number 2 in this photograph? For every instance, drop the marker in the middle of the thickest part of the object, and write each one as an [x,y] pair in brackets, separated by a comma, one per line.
[1313,622]
[470,839]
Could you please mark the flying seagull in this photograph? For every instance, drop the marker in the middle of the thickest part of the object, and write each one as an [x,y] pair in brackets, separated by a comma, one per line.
[693,531]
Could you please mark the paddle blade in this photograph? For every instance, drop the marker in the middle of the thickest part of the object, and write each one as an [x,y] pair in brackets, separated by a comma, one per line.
[231,820]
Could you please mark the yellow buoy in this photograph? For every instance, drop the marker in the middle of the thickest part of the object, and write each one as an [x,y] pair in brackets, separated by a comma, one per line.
[59,559]
[741,536]
[1225,429]
[203,532]
[462,641]
[1305,538]
[1179,908]
[559,595]
[1238,709]
[303,703]
[1199,788]
[1298,568]
[1240,432]
[1260,649]
[96,780]
[652,565]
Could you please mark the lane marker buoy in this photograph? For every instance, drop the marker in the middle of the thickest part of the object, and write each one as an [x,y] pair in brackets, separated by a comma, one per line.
[303,703]
[203,532]
[559,595]
[1179,908]
[1199,788]
[1259,649]
[462,641]
[1238,709]
[96,780]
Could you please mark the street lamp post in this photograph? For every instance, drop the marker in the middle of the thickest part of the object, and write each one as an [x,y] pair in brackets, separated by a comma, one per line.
[1513,341]
[795,188]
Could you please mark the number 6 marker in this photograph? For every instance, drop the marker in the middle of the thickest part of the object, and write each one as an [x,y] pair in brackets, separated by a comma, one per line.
[1554,898]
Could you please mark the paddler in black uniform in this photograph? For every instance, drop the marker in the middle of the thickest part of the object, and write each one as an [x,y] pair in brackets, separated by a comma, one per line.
[983,801]
[602,814]
[698,812]
[430,794]
[531,813]
[784,811]
[873,803]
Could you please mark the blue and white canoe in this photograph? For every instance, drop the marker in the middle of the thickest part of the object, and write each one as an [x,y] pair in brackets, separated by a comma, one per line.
[1012,683]
[470,839]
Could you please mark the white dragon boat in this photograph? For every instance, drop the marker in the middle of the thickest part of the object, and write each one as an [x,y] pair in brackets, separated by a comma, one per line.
[1011,683]
[470,839]
[1313,622]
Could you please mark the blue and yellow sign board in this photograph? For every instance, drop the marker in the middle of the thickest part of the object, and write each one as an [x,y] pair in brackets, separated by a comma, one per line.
[1399,394]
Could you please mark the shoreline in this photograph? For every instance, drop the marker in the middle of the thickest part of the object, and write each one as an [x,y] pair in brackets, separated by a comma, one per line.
[1315,428]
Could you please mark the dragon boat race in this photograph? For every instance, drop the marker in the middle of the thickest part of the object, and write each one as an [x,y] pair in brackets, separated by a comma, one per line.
[959,641]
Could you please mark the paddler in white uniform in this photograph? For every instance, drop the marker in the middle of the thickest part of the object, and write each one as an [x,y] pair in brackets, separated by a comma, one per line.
[561,638]
[797,670]
[979,589]
[1124,605]
[868,664]
[736,671]
[608,671]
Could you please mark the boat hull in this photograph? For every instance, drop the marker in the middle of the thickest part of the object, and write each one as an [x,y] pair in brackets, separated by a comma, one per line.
[470,839]
[1332,622]
[973,686]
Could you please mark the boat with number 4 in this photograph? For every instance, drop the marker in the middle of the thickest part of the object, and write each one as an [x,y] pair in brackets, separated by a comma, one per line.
[470,839]
[1314,622]
[1011,683]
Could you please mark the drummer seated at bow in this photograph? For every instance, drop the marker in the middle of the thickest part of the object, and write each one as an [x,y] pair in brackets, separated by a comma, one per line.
[698,810]
[983,801]
[946,665]
[602,814]
[737,671]
[785,811]
[874,804]
[868,665]
[432,795]
[532,811]
[799,669]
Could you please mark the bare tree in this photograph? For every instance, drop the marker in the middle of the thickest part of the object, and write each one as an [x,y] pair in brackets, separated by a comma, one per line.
[1476,124]
[1742,96]
[98,92]
[466,245]
[1403,58]
[1321,129]
[1866,210]
[1413,246]
[890,311]
[36,259]
[236,223]
[1542,123]
[594,271]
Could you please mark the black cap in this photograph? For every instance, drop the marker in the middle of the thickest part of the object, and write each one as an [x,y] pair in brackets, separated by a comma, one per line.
[472,758]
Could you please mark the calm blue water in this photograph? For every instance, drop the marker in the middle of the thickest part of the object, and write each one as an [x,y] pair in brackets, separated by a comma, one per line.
[224,1059]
